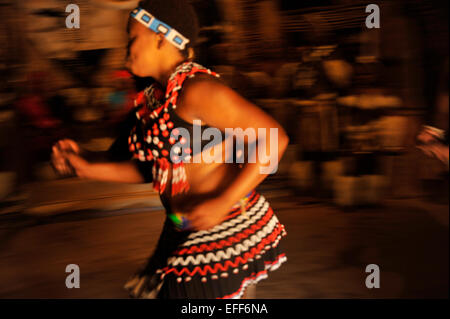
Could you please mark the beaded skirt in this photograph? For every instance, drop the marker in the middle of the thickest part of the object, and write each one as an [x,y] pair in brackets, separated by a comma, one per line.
[216,263]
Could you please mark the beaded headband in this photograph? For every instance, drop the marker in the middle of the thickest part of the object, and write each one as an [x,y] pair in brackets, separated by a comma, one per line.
[148,20]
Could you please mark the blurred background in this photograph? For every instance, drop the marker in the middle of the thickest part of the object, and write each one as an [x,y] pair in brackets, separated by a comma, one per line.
[352,187]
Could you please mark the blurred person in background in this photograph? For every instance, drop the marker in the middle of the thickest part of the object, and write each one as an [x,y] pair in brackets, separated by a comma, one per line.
[433,141]
[220,235]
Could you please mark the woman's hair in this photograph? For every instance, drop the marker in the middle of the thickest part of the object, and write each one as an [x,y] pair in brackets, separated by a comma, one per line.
[178,14]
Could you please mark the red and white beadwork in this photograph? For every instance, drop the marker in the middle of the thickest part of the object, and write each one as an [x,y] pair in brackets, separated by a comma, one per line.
[222,261]
[150,139]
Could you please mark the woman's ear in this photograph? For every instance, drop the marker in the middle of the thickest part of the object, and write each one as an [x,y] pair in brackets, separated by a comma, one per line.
[160,40]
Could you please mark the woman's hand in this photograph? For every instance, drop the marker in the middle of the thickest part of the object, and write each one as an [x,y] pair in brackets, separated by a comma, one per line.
[58,157]
[208,214]
[67,161]
[80,166]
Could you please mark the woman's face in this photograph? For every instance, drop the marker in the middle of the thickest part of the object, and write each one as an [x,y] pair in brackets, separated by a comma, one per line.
[142,50]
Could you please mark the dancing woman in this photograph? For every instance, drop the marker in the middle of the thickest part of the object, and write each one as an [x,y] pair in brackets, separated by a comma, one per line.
[220,235]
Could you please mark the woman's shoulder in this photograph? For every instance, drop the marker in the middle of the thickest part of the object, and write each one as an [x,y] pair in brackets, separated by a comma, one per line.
[197,94]
[201,88]
[201,82]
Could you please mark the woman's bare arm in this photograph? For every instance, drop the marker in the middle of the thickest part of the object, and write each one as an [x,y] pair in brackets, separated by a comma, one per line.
[122,172]
[219,106]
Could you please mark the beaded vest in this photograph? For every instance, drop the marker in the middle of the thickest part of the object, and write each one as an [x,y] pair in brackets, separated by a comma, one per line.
[154,134]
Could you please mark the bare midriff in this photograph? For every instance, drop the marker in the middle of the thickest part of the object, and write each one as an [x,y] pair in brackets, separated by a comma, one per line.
[206,181]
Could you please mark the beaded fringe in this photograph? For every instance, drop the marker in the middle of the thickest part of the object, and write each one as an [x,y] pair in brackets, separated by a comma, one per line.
[160,172]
